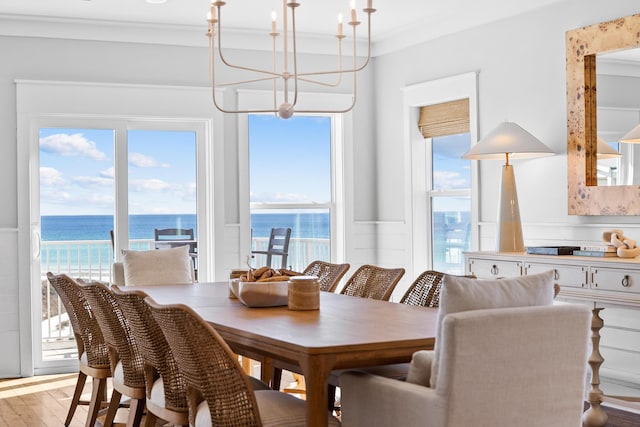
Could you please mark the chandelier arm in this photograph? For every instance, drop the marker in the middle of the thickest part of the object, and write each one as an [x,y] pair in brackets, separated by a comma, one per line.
[295,58]
[229,64]
[239,82]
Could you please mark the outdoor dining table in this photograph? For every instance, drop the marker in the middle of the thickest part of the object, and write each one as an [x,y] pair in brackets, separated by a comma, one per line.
[346,332]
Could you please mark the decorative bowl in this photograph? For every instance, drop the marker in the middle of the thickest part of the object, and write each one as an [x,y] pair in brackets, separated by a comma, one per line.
[263,294]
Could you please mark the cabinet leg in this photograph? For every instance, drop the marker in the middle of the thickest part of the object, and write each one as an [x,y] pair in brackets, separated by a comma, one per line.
[595,416]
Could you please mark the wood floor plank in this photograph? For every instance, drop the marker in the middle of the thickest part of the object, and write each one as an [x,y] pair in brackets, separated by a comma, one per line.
[44,401]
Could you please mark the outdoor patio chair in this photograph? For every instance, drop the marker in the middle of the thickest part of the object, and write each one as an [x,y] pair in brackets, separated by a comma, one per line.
[278,245]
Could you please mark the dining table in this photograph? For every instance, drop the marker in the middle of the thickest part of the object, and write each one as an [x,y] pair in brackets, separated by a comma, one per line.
[344,333]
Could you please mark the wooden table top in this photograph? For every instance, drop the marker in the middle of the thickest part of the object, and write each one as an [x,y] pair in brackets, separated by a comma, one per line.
[346,332]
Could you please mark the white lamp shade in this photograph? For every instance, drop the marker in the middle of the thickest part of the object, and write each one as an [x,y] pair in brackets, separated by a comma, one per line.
[633,136]
[605,151]
[508,138]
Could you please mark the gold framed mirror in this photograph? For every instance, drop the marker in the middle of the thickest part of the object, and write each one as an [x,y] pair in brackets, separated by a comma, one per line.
[585,197]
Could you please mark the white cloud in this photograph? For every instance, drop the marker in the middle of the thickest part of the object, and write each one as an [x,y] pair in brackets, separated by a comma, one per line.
[149,185]
[75,145]
[143,161]
[279,197]
[108,173]
[93,180]
[449,181]
[50,177]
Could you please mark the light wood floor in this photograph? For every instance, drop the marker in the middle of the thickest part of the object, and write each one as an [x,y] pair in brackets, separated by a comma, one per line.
[43,401]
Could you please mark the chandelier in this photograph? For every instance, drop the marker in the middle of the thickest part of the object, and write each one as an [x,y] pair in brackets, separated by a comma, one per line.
[287,73]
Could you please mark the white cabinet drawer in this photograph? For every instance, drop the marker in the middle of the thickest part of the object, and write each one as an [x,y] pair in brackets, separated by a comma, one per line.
[615,280]
[487,269]
[573,276]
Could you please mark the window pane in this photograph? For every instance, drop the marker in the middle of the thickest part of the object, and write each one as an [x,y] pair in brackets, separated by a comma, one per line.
[451,219]
[450,170]
[310,232]
[162,183]
[76,209]
[290,160]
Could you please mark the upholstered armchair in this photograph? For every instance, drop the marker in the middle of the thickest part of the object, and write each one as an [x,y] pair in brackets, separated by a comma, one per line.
[506,355]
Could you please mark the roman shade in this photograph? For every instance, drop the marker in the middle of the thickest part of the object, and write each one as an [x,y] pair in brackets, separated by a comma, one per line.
[447,118]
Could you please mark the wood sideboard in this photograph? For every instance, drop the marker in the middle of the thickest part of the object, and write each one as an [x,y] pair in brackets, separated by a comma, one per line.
[600,281]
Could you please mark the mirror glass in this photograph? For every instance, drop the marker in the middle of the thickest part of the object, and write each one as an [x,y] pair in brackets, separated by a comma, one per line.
[618,111]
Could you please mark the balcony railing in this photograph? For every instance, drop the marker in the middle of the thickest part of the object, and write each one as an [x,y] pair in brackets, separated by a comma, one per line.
[92,259]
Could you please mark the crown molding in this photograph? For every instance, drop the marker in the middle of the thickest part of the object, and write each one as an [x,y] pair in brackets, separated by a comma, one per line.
[163,34]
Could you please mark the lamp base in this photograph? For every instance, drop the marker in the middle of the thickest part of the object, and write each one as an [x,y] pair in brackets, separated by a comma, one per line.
[509,229]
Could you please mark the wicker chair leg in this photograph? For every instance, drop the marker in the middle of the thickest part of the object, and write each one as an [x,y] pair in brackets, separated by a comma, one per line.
[99,388]
[82,378]
[136,411]
[150,419]
[114,404]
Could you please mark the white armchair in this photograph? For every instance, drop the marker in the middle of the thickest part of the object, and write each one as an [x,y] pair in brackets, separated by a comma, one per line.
[518,366]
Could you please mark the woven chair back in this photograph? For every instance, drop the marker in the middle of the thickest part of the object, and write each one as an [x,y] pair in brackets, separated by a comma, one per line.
[86,329]
[209,367]
[153,347]
[370,281]
[328,274]
[116,331]
[425,290]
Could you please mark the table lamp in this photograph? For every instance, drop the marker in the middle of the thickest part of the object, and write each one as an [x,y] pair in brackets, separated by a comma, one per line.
[605,151]
[508,140]
[633,136]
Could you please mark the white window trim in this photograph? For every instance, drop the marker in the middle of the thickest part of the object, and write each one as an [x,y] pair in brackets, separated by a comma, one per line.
[341,139]
[417,167]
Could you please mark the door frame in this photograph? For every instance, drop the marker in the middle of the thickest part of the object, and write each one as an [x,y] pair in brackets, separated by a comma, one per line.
[44,102]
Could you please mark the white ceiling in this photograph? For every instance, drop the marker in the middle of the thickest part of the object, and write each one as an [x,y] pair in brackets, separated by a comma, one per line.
[396,20]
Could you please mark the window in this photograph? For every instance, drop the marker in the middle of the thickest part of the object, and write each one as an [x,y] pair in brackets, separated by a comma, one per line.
[290,174]
[442,123]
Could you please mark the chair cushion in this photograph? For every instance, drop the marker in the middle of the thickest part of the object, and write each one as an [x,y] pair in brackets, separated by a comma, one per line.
[420,368]
[157,267]
[463,294]
[276,409]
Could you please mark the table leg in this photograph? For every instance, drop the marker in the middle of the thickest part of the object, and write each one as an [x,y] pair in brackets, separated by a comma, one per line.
[595,416]
[316,370]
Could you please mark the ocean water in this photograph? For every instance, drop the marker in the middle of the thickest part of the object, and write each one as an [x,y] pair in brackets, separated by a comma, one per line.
[97,227]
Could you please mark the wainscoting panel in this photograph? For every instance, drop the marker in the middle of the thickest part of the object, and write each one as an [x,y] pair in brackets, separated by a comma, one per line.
[9,304]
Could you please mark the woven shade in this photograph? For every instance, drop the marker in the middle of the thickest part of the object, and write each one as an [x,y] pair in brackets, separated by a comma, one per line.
[448,118]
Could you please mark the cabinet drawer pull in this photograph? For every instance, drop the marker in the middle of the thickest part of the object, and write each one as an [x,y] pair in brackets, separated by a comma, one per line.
[625,281]
[556,275]
[494,270]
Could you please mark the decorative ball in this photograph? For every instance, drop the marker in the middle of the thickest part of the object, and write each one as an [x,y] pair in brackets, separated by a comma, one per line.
[285,110]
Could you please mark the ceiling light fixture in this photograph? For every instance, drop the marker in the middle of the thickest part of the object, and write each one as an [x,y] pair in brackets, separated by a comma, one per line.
[289,78]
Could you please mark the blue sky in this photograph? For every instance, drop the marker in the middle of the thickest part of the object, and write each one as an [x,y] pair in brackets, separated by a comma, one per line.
[290,160]
[77,171]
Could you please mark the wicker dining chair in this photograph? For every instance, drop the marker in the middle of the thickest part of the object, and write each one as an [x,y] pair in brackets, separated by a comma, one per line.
[93,355]
[328,274]
[370,281]
[126,362]
[166,388]
[425,290]
[219,393]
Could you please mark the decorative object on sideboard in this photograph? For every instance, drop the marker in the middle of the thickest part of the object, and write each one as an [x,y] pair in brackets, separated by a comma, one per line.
[508,140]
[288,76]
[626,247]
